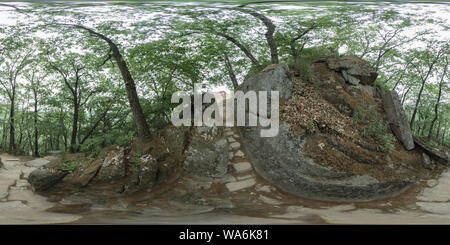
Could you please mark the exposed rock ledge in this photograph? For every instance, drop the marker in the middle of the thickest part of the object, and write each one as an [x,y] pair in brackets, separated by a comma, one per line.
[282,159]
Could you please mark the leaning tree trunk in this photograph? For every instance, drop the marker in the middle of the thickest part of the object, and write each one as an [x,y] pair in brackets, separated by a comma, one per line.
[247,52]
[269,34]
[230,72]
[436,106]
[424,80]
[143,130]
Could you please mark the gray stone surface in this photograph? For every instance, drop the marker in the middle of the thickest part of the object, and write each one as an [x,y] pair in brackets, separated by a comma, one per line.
[269,200]
[228,133]
[240,185]
[143,175]
[426,162]
[3,195]
[243,177]
[242,167]
[349,78]
[230,155]
[438,192]
[356,70]
[273,78]
[265,188]
[235,145]
[211,131]
[435,207]
[177,136]
[231,140]
[227,178]
[239,153]
[209,159]
[43,178]
[36,163]
[397,119]
[22,183]
[281,161]
[370,90]
[113,167]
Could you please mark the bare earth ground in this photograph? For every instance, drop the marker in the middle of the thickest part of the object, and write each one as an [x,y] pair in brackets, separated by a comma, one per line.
[260,203]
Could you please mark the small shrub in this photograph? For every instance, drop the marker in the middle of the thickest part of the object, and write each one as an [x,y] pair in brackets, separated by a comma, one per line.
[375,126]
[135,159]
[70,166]
[310,127]
[304,62]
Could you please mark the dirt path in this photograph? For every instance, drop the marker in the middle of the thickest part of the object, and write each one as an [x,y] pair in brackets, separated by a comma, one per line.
[18,203]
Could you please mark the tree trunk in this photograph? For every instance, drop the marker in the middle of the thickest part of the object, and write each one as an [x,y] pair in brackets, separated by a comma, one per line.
[36,134]
[230,72]
[269,34]
[438,131]
[73,139]
[436,106]
[95,126]
[443,136]
[21,130]
[404,95]
[143,130]
[423,128]
[12,146]
[247,53]
[413,117]
[424,80]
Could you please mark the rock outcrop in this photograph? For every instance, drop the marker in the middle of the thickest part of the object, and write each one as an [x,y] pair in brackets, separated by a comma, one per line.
[426,162]
[397,119]
[143,174]
[113,167]
[354,69]
[273,78]
[439,156]
[43,178]
[207,154]
[284,160]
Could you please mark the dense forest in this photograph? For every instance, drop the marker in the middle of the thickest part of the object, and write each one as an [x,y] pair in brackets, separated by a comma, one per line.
[82,76]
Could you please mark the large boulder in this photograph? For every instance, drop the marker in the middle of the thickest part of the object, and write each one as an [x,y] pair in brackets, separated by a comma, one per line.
[144,173]
[113,167]
[177,137]
[207,157]
[426,162]
[43,178]
[354,69]
[282,161]
[397,118]
[275,77]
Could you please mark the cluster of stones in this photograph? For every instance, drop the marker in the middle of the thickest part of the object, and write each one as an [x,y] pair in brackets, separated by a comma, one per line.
[242,171]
